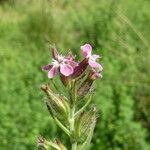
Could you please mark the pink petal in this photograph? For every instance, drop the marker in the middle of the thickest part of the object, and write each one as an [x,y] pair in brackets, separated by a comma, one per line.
[100,67]
[52,72]
[70,56]
[66,69]
[94,57]
[97,75]
[86,50]
[72,63]
[47,67]
[94,64]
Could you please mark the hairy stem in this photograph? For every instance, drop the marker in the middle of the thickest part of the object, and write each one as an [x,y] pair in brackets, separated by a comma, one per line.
[72,118]
[62,126]
[72,128]
[74,146]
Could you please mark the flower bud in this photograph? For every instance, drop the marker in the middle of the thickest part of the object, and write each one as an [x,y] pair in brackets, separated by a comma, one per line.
[61,145]
[41,142]
[85,122]
[86,85]
[57,104]
[47,145]
[78,124]
[84,88]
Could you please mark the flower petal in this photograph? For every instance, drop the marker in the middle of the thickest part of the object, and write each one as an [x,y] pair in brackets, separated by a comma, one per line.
[66,69]
[98,75]
[86,50]
[70,56]
[52,72]
[94,64]
[94,57]
[94,74]
[54,52]
[47,67]
[100,67]
[72,63]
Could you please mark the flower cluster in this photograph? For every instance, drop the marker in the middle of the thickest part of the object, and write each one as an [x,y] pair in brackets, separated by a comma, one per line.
[66,65]
[73,113]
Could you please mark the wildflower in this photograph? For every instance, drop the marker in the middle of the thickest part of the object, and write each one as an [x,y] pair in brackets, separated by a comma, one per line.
[87,53]
[71,61]
[69,113]
[60,64]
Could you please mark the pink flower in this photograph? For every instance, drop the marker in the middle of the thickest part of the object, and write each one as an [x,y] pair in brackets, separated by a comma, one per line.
[71,59]
[87,53]
[60,64]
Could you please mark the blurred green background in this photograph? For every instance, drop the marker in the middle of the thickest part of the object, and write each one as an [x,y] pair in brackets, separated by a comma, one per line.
[118,30]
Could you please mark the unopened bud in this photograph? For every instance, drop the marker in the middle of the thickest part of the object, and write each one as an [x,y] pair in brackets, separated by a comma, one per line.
[57,104]
[86,85]
[78,124]
[41,143]
[47,145]
[61,145]
[86,121]
[84,88]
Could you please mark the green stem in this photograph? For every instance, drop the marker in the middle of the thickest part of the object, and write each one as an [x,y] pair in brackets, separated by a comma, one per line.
[72,119]
[73,96]
[62,126]
[72,128]
[74,146]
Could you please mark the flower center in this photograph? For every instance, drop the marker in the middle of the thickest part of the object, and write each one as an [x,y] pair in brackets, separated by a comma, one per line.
[60,60]
[55,63]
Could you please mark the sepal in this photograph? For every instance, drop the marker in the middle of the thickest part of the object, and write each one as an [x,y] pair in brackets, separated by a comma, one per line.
[84,88]
[57,104]
[47,145]
[54,51]
[80,68]
[85,125]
